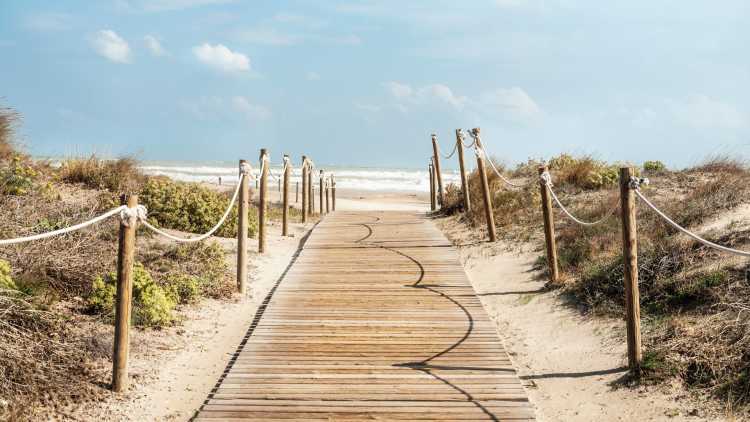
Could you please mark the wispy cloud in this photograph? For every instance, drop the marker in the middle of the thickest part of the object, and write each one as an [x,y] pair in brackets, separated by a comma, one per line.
[111,46]
[49,22]
[266,36]
[164,5]
[219,108]
[222,58]
[154,45]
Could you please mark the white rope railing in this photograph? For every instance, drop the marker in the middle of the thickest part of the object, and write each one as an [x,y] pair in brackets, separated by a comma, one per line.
[59,232]
[481,153]
[142,217]
[635,185]
[546,179]
[455,148]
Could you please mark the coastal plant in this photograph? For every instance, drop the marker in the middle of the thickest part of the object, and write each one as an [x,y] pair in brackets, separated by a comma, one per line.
[117,176]
[152,304]
[190,207]
[654,166]
[8,120]
[6,279]
[17,176]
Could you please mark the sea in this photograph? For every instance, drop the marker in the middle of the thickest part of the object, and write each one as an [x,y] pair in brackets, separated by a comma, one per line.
[355,178]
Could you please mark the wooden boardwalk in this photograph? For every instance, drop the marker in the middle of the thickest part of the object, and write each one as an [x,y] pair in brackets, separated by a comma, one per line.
[375,320]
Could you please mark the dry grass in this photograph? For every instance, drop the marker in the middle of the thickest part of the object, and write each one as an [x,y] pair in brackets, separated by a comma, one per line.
[8,121]
[117,176]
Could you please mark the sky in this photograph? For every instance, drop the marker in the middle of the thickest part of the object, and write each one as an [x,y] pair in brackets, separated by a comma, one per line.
[366,82]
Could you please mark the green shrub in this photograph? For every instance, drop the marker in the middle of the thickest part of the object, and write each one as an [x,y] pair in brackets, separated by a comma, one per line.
[17,178]
[654,166]
[583,172]
[190,207]
[6,281]
[152,304]
[184,288]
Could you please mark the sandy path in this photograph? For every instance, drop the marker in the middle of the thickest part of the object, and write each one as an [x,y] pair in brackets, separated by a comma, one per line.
[174,370]
[568,363]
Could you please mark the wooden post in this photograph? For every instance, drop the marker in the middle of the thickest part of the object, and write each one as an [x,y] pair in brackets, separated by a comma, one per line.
[304,189]
[285,199]
[279,182]
[328,199]
[630,261]
[125,260]
[549,227]
[311,193]
[433,206]
[320,188]
[242,225]
[264,162]
[464,179]
[333,193]
[296,192]
[439,176]
[488,212]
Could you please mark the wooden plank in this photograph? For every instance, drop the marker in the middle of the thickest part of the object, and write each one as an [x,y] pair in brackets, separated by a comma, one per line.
[375,319]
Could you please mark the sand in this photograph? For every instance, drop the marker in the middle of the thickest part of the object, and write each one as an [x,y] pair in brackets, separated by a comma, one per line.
[570,365]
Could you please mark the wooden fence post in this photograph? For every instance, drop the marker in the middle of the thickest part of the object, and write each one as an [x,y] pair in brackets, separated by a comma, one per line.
[242,225]
[264,162]
[304,189]
[310,194]
[333,193]
[549,226]
[285,199]
[436,155]
[432,186]
[464,179]
[488,212]
[125,260]
[328,195]
[296,192]
[630,261]
[320,188]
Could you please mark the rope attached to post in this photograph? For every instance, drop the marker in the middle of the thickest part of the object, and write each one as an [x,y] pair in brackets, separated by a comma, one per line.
[546,178]
[59,232]
[481,153]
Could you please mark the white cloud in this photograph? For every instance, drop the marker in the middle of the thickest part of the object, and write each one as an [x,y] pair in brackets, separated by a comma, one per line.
[49,22]
[267,36]
[253,111]
[514,102]
[442,93]
[164,5]
[154,46]
[220,57]
[398,89]
[221,108]
[111,46]
[312,76]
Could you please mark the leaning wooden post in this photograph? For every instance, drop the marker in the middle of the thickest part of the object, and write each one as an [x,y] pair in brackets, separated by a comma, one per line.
[328,197]
[320,188]
[549,224]
[262,201]
[488,212]
[242,226]
[464,179]
[439,176]
[333,193]
[433,206]
[304,189]
[310,193]
[285,199]
[125,260]
[630,261]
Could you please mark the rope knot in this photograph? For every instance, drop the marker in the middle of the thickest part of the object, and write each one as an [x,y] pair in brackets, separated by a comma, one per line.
[636,182]
[546,178]
[246,169]
[129,216]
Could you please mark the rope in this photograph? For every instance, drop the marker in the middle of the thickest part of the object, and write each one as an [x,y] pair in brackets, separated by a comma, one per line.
[144,221]
[455,148]
[481,153]
[461,137]
[110,213]
[546,179]
[635,185]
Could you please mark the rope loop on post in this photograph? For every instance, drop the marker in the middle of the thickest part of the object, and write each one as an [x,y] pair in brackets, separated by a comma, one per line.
[636,182]
[130,216]
[546,178]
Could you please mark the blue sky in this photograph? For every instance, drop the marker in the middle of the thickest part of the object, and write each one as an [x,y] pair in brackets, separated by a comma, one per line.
[366,82]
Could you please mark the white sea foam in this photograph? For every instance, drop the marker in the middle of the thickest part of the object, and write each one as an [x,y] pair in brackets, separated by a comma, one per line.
[358,178]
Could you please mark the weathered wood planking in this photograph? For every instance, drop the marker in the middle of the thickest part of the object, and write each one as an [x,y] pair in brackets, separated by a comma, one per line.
[374,320]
